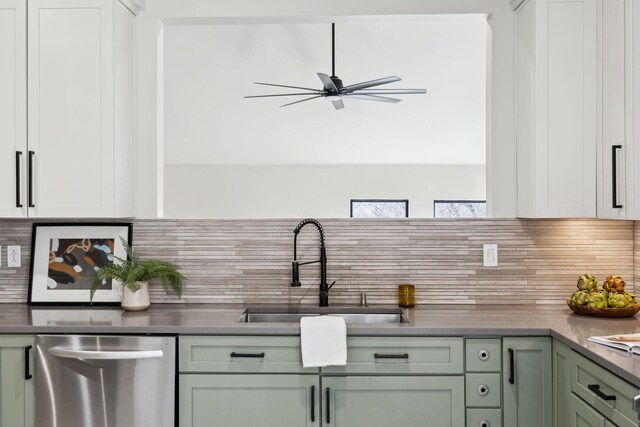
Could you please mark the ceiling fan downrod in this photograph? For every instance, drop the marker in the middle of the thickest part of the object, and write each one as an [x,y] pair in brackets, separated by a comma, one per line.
[334,78]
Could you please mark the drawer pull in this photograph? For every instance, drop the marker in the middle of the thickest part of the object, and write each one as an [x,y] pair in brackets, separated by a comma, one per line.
[30,186]
[27,363]
[254,355]
[313,404]
[483,390]
[484,423]
[391,356]
[18,177]
[512,379]
[328,391]
[484,355]
[596,389]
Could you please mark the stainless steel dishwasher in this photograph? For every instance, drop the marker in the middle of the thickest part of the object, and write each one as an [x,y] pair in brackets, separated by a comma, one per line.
[105,381]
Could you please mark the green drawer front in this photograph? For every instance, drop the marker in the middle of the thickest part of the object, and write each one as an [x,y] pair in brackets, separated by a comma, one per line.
[585,372]
[214,354]
[483,390]
[483,355]
[402,355]
[484,418]
[583,415]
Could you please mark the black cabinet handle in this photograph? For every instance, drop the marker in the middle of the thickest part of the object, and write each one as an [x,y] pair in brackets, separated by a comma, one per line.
[328,393]
[614,176]
[313,403]
[18,189]
[27,368]
[391,356]
[30,187]
[512,379]
[254,355]
[596,389]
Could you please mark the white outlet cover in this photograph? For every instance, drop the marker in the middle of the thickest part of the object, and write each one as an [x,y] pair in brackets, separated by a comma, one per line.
[13,256]
[490,255]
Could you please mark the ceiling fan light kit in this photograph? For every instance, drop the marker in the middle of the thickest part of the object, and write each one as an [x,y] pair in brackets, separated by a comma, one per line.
[334,90]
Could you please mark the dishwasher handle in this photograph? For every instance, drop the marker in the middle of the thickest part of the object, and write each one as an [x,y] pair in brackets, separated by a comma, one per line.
[70,353]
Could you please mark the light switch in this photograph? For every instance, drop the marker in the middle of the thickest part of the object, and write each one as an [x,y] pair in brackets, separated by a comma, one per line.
[490,255]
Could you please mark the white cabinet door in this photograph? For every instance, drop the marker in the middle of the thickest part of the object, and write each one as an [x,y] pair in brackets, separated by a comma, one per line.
[81,108]
[70,109]
[632,68]
[556,108]
[13,107]
[612,144]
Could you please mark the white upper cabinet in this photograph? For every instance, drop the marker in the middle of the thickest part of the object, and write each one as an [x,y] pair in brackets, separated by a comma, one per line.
[80,104]
[79,112]
[631,159]
[556,108]
[611,138]
[13,106]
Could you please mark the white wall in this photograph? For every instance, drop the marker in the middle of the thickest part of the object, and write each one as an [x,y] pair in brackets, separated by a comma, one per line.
[208,69]
[500,76]
[288,191]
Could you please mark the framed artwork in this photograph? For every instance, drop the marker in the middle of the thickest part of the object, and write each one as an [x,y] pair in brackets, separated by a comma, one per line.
[65,258]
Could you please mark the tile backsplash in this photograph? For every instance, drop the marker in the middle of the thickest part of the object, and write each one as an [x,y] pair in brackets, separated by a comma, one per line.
[249,261]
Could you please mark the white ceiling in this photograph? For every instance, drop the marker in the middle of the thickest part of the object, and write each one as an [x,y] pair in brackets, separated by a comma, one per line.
[209,68]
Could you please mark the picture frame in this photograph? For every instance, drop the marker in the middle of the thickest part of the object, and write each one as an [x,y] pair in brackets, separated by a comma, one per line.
[65,256]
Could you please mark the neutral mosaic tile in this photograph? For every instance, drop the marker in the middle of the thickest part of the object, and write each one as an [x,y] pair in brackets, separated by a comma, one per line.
[249,261]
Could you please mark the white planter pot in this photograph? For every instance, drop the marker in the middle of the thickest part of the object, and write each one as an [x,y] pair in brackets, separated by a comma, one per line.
[138,300]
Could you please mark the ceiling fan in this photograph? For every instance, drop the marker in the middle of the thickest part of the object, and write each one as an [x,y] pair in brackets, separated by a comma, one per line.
[334,90]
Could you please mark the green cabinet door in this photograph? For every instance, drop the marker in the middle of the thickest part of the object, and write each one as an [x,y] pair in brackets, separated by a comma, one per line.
[237,400]
[17,393]
[526,378]
[583,415]
[562,357]
[365,401]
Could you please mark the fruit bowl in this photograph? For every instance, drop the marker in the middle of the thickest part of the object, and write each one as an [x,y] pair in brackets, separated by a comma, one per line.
[604,312]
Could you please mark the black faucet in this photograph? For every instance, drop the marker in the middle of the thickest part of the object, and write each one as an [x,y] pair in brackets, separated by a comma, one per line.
[295,265]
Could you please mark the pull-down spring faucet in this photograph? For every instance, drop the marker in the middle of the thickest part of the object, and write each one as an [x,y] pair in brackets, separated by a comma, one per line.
[295,265]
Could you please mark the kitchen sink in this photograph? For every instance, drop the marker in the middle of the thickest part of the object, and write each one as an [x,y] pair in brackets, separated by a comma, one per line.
[291,314]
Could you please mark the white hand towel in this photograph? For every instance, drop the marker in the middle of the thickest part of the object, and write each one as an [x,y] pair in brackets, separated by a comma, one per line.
[323,340]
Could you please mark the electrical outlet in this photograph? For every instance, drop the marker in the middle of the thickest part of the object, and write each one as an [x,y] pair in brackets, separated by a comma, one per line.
[490,255]
[13,256]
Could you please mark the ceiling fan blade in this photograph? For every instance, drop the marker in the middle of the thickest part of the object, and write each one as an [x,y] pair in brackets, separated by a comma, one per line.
[282,94]
[374,98]
[329,86]
[337,104]
[291,87]
[391,92]
[302,100]
[371,83]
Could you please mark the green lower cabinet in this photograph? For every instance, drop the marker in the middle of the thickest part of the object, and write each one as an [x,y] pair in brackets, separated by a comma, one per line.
[583,415]
[17,392]
[428,401]
[562,357]
[239,400]
[527,382]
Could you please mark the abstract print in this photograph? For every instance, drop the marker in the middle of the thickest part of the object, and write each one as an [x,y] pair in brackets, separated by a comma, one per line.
[73,262]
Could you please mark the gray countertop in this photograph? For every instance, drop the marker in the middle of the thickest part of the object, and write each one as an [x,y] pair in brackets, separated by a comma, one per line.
[458,320]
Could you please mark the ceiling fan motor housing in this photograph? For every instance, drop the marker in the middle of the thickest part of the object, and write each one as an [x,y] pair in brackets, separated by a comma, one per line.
[336,81]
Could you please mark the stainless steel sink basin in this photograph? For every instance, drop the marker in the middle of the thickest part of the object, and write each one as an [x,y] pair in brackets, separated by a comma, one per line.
[291,314]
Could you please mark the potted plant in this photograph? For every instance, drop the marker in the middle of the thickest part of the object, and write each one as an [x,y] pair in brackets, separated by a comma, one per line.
[135,274]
